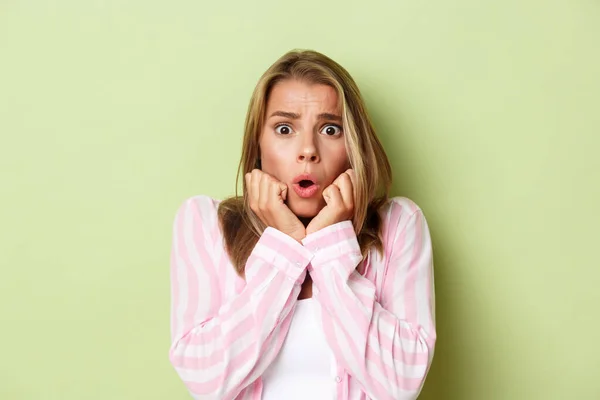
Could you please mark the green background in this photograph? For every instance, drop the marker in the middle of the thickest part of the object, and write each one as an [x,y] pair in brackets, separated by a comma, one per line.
[113,112]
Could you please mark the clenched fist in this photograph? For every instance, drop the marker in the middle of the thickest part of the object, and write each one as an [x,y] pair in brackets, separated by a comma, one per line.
[267,197]
[339,197]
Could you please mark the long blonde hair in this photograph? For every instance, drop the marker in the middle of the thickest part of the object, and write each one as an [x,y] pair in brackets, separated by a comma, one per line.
[241,226]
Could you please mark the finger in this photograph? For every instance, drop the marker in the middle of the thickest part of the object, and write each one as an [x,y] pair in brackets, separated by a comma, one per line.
[337,180]
[247,182]
[352,176]
[333,197]
[264,196]
[283,191]
[255,192]
[346,190]
[275,189]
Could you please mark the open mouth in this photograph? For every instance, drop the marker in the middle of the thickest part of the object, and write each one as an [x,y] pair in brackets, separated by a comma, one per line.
[306,183]
[306,186]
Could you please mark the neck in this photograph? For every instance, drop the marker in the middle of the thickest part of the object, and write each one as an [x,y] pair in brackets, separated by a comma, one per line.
[305,220]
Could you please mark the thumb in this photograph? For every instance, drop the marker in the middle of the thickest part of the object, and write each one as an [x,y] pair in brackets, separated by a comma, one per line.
[327,194]
[283,190]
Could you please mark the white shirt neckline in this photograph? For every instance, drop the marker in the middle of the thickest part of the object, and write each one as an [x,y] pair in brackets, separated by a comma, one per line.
[304,367]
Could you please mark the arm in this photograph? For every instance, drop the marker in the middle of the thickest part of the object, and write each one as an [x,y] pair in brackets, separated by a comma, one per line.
[386,344]
[220,347]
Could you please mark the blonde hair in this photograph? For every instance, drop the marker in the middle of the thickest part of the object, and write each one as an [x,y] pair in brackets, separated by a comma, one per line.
[241,226]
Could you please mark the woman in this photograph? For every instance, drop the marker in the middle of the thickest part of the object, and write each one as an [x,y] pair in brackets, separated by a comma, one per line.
[313,284]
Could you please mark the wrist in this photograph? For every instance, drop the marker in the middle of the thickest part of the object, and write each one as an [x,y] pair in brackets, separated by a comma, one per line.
[298,236]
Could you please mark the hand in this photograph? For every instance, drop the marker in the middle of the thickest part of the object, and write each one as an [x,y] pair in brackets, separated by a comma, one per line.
[267,196]
[339,199]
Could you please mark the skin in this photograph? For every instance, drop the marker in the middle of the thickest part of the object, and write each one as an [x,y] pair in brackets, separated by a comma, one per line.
[302,134]
[313,143]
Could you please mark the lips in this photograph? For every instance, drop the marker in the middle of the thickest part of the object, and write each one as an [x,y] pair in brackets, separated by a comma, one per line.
[305,185]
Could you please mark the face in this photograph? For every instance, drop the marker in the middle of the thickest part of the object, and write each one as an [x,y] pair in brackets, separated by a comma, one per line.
[302,142]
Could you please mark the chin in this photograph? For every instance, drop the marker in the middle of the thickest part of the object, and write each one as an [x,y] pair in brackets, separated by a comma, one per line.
[305,208]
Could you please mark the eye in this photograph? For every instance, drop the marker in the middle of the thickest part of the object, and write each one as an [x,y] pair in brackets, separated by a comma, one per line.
[283,129]
[331,130]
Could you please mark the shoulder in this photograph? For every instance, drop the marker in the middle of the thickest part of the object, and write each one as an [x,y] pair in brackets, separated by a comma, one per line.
[399,207]
[202,201]
[199,209]
[397,213]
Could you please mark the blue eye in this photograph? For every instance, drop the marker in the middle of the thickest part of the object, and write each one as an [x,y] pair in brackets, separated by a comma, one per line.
[283,129]
[331,130]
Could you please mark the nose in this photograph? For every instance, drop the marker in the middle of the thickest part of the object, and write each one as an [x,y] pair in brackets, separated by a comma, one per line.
[308,150]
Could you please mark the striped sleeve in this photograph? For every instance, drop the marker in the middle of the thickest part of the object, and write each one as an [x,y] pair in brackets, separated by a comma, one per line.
[386,344]
[220,347]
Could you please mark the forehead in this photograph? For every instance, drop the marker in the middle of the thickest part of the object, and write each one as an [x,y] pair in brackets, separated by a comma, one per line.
[292,95]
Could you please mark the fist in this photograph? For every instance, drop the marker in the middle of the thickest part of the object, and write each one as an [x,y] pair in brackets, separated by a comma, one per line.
[266,197]
[339,200]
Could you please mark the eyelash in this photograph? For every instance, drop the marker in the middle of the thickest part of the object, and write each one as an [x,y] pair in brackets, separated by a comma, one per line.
[336,126]
[279,126]
[324,126]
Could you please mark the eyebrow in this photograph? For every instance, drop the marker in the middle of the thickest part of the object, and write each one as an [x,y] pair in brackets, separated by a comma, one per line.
[291,115]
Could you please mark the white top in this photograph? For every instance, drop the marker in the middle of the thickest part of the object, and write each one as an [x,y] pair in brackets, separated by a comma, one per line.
[304,368]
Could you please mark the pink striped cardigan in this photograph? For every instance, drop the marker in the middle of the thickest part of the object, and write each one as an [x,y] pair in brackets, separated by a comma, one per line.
[377,314]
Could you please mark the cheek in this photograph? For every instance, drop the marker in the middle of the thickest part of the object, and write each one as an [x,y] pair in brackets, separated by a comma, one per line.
[273,157]
[339,159]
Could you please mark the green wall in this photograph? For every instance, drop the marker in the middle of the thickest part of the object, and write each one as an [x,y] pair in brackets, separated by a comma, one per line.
[113,112]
